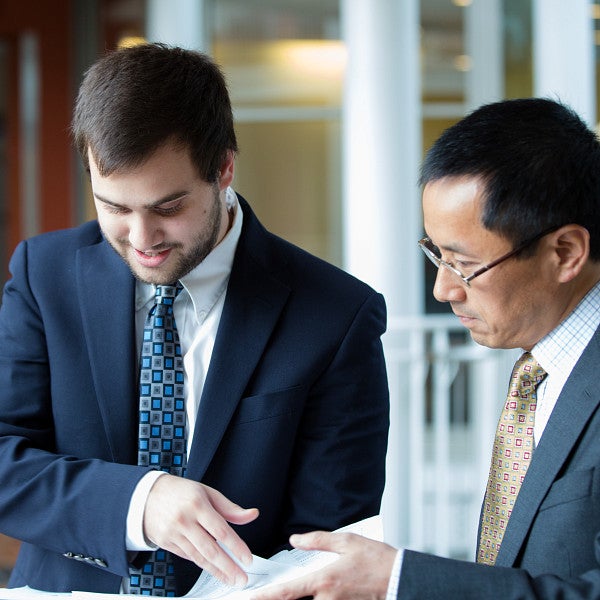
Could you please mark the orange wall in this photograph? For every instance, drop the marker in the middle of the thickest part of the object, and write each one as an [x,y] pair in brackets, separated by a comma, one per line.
[51,23]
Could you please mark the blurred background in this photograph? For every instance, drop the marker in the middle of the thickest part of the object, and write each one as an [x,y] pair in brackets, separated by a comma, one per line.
[335,103]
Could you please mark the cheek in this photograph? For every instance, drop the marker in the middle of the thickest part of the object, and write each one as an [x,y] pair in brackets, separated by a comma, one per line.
[178,230]
[188,228]
[113,226]
[499,312]
[509,321]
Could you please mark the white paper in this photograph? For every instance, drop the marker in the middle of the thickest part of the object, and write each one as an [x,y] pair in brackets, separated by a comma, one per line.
[283,566]
[27,593]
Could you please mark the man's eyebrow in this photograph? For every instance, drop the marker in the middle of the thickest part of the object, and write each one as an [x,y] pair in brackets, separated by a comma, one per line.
[453,248]
[164,200]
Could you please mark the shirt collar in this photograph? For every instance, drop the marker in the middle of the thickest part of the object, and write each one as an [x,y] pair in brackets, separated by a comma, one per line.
[560,350]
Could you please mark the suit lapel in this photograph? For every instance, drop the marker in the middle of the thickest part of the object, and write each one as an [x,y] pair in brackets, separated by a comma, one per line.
[255,298]
[254,301]
[107,304]
[574,408]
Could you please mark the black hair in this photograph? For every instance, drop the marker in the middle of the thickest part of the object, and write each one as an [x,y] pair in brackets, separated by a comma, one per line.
[538,161]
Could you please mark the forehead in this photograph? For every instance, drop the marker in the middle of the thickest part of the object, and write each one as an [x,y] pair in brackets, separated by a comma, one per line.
[167,171]
[452,210]
[452,207]
[453,199]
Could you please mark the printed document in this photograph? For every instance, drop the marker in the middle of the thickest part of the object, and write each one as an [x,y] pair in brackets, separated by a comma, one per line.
[283,566]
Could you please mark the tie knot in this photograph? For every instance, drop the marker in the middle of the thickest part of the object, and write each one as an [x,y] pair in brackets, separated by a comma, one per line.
[166,294]
[528,371]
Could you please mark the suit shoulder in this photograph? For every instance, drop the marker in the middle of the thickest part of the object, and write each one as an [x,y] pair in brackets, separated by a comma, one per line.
[54,251]
[312,274]
[295,266]
[77,237]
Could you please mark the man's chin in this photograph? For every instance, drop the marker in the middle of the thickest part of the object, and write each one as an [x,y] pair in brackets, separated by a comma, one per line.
[489,340]
[157,276]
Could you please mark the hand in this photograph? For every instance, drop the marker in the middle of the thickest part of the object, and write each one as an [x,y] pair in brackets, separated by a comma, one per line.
[361,572]
[188,518]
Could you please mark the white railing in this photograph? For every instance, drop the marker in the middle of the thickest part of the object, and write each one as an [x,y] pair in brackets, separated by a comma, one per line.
[445,396]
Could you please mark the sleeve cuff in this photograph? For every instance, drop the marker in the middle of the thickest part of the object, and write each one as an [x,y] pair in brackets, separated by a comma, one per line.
[392,592]
[135,516]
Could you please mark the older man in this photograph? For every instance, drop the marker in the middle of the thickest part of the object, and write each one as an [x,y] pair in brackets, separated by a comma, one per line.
[511,207]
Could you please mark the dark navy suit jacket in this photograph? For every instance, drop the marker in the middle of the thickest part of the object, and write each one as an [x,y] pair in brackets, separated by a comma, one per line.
[552,541]
[293,418]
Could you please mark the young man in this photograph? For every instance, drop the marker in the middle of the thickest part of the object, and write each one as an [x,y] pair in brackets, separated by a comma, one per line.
[174,362]
[511,207]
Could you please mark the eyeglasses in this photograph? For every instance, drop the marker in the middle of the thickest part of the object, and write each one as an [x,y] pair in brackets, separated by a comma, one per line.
[432,252]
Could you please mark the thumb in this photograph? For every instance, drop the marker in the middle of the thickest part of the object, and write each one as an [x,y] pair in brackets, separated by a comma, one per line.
[315,540]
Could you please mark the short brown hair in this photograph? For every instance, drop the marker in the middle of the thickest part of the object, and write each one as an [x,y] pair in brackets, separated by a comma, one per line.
[134,100]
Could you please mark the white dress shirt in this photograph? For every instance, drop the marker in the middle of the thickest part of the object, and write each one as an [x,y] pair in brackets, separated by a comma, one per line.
[557,353]
[197,311]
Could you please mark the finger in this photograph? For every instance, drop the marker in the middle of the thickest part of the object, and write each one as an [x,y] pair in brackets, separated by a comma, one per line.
[221,532]
[195,524]
[207,554]
[189,538]
[215,521]
[231,511]
[215,543]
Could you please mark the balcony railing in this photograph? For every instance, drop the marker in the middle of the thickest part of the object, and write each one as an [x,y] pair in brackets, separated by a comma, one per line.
[446,393]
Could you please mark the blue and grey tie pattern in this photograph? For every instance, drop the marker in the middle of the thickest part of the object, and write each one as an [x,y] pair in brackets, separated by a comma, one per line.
[162,439]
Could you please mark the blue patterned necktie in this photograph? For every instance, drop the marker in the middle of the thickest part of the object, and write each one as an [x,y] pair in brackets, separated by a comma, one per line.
[162,441]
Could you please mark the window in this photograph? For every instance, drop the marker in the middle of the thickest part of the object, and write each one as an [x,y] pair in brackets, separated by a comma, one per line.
[284,64]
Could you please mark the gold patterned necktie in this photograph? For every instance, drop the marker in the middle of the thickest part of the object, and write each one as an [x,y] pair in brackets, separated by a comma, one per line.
[511,455]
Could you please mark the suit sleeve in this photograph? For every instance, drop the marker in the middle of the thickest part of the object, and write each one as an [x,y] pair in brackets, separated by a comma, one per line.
[424,576]
[68,504]
[339,463]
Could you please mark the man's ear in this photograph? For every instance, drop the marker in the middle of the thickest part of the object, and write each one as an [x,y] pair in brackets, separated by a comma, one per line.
[226,171]
[571,250]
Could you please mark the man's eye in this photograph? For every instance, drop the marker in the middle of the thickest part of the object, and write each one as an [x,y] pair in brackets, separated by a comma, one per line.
[465,264]
[168,210]
[115,210]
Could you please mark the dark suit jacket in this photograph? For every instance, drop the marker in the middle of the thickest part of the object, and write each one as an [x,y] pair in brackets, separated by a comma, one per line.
[293,418]
[552,541]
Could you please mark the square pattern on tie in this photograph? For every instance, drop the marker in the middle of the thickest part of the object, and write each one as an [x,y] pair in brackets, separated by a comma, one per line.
[162,420]
[511,456]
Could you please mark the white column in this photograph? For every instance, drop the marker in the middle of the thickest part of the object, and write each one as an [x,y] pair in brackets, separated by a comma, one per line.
[484,46]
[381,136]
[177,23]
[563,54]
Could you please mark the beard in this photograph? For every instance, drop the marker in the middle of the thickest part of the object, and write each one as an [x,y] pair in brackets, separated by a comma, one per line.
[185,261]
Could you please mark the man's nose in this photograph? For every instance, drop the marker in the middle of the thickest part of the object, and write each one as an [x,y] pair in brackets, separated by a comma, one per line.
[448,286]
[144,233]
